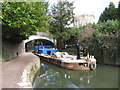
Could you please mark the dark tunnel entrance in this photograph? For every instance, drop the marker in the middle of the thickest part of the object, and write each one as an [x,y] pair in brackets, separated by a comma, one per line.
[29,46]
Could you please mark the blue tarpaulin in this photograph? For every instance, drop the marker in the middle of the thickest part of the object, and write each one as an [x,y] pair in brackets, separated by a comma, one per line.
[47,49]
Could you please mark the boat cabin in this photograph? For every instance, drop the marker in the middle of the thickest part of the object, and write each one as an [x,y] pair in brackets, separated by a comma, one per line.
[47,49]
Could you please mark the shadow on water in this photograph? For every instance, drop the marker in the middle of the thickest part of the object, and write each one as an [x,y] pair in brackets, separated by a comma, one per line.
[51,76]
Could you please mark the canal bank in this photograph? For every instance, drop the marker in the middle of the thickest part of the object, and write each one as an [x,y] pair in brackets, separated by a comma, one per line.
[20,71]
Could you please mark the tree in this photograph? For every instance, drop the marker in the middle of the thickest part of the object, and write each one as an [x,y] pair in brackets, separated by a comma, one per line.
[119,14]
[110,26]
[109,13]
[62,17]
[119,10]
[22,19]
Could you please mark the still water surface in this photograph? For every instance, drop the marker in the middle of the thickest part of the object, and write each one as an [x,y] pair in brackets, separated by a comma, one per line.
[51,76]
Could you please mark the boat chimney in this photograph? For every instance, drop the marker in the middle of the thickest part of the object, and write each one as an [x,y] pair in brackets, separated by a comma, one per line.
[78,51]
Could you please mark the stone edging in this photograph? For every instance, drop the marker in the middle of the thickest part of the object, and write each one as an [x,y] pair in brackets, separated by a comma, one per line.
[29,73]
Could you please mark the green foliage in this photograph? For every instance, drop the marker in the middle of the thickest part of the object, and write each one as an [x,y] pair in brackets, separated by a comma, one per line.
[74,32]
[22,19]
[110,26]
[73,36]
[104,43]
[110,13]
[104,47]
[119,13]
[62,17]
[96,32]
[119,10]
[106,27]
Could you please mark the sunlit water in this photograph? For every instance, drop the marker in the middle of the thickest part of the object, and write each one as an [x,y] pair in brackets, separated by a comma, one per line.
[51,76]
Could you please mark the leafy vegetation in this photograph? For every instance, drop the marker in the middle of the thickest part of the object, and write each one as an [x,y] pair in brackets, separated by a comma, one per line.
[22,19]
[110,13]
[108,27]
[105,41]
[62,17]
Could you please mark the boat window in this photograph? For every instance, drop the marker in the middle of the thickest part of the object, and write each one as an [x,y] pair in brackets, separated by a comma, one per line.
[48,52]
[80,63]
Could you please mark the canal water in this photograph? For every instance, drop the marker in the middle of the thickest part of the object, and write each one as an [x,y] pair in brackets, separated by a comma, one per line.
[51,76]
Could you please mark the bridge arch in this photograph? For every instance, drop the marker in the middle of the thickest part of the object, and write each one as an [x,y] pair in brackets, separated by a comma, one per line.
[36,40]
[34,37]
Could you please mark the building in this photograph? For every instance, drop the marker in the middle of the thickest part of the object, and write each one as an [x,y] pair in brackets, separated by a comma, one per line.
[83,20]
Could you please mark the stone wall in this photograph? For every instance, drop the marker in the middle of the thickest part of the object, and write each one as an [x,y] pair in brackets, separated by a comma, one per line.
[29,73]
[11,50]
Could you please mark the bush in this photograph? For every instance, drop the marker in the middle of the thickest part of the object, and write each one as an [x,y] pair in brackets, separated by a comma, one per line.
[110,26]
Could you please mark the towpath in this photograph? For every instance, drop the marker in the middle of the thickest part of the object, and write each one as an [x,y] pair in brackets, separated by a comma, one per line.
[12,70]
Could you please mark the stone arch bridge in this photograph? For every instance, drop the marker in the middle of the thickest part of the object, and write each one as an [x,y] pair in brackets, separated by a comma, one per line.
[39,39]
[11,50]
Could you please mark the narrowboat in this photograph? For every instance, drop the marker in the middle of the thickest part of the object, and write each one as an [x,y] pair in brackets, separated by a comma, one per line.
[64,60]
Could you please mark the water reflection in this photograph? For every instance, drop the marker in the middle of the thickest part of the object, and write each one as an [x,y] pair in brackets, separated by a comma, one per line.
[51,76]
[55,77]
